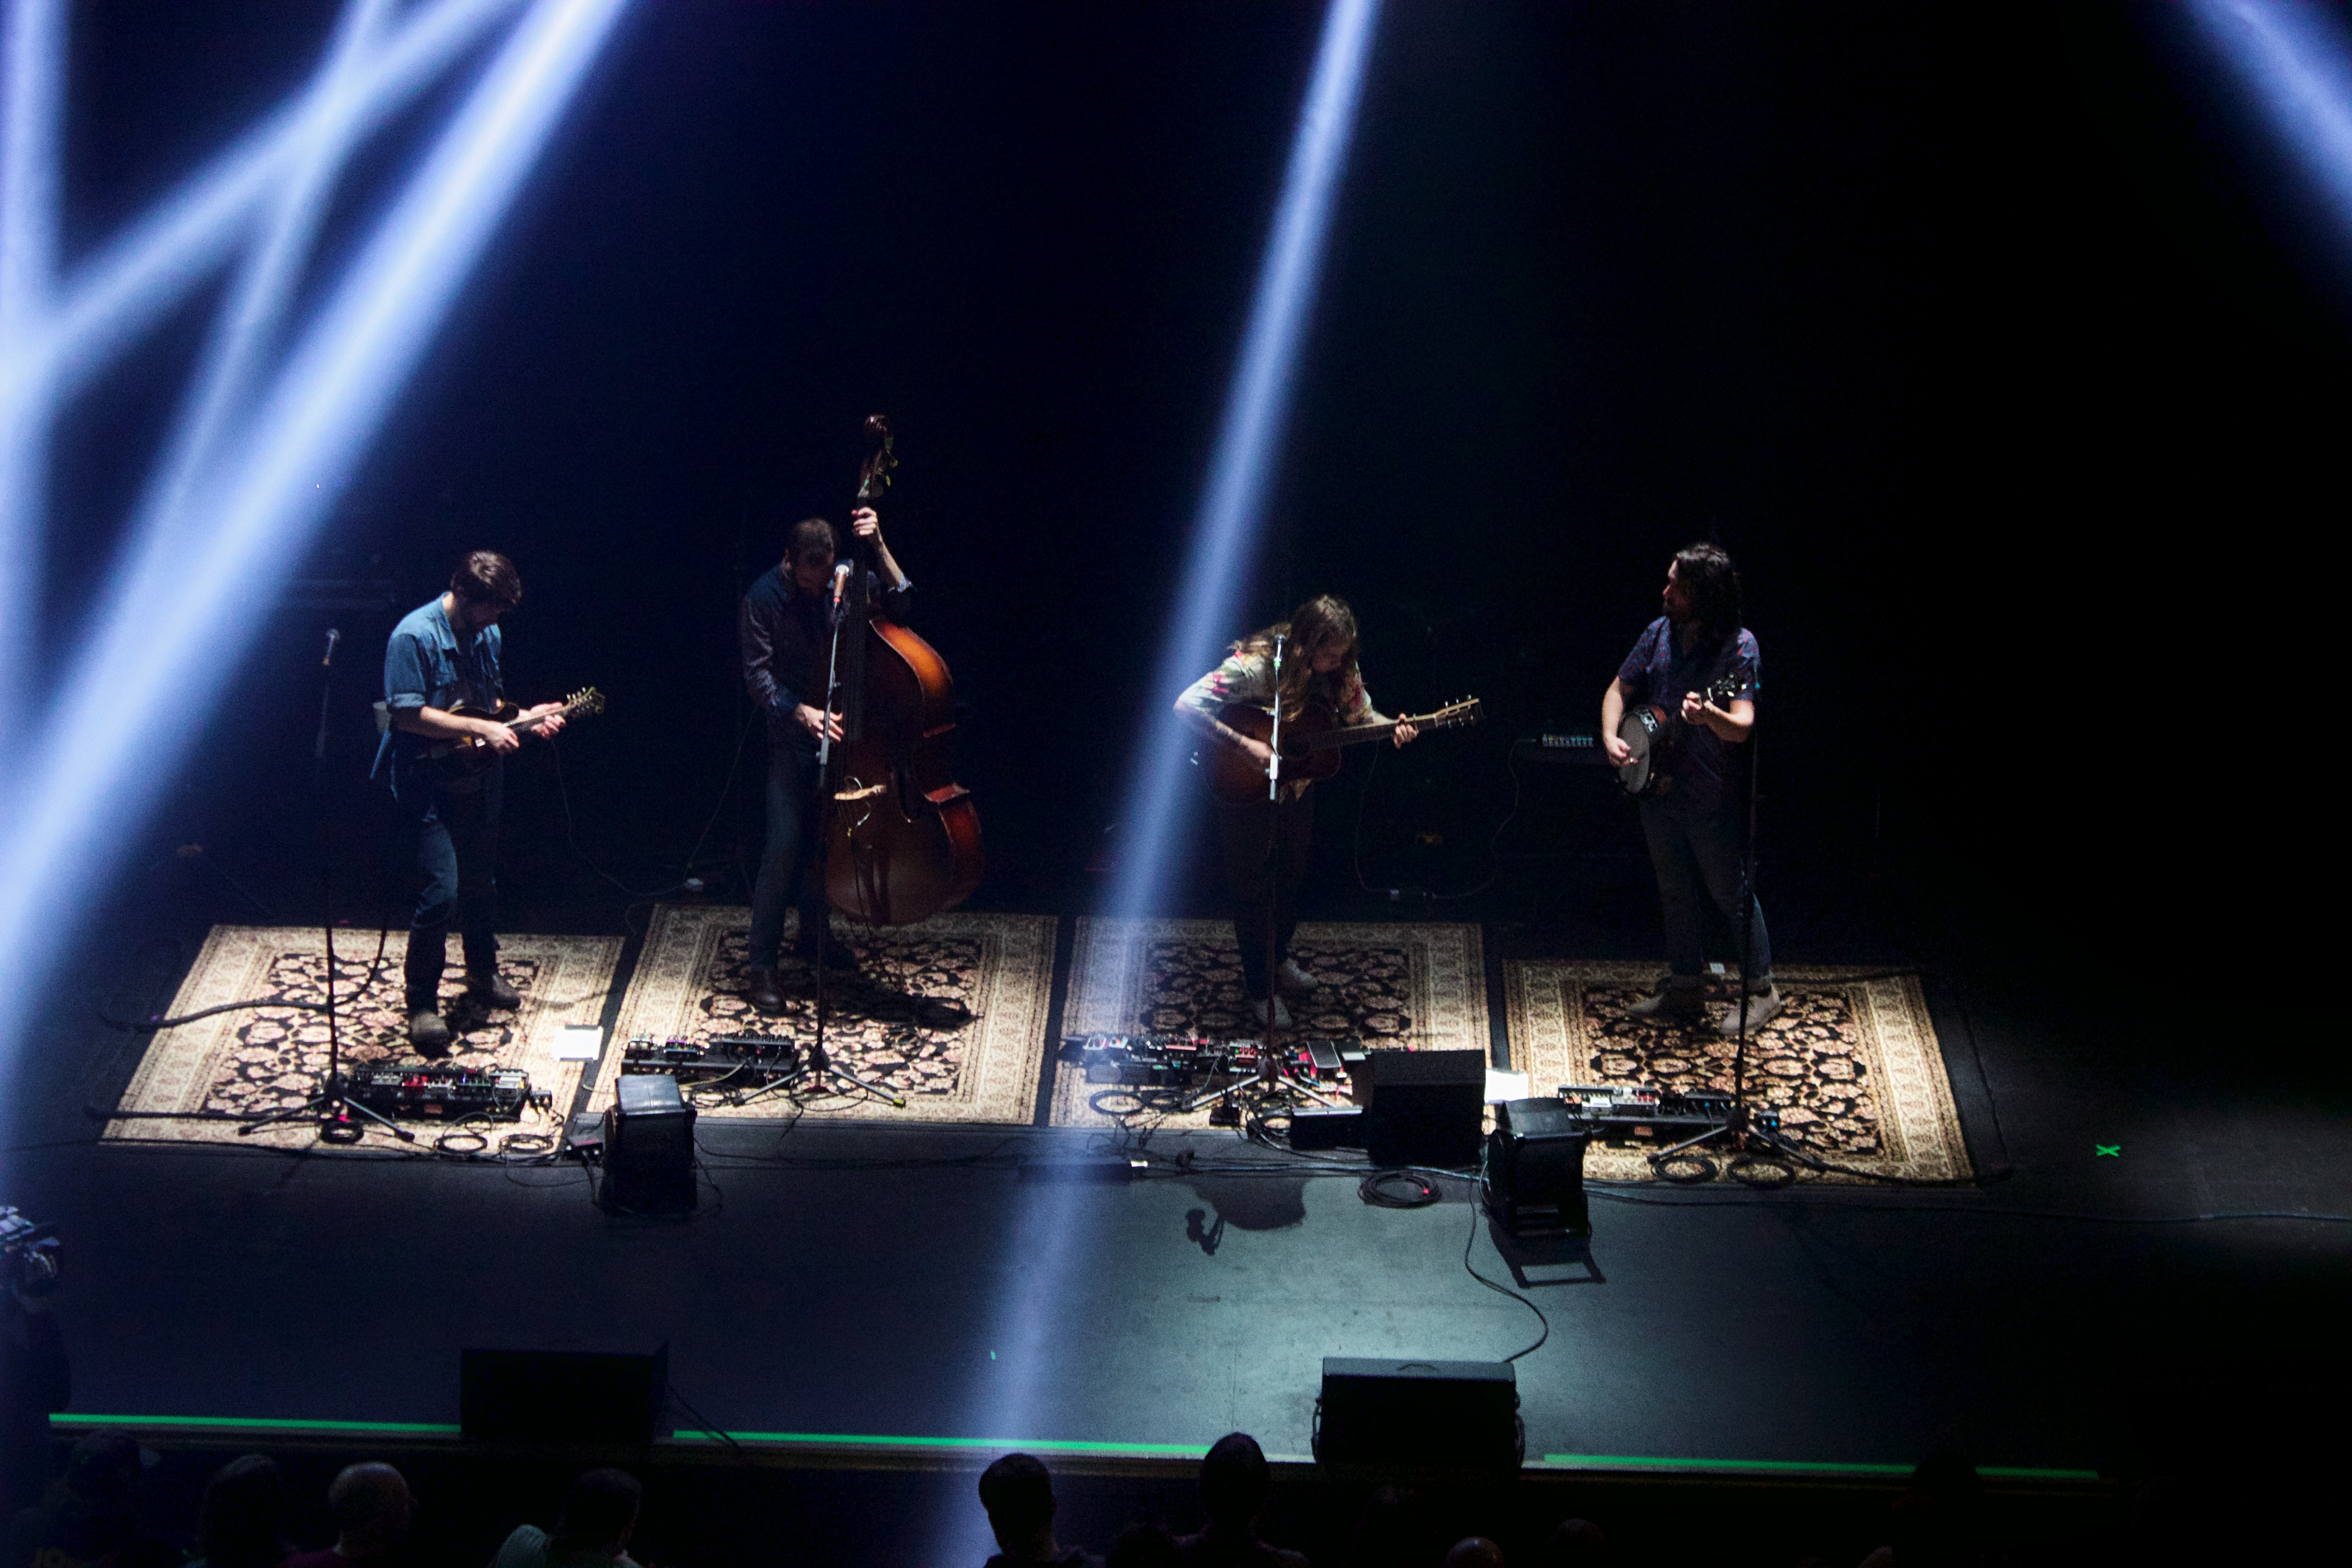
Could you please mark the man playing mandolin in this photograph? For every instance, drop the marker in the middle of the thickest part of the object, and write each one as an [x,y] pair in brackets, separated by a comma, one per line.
[440,678]
[1267,844]
[1699,665]
[785,627]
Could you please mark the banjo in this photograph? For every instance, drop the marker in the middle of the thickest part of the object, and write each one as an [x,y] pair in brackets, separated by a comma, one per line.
[1652,730]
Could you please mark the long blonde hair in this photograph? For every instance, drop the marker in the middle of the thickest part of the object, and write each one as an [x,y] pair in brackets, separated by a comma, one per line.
[1318,624]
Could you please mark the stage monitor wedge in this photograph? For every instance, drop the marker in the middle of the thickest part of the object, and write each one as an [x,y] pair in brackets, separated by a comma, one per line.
[1427,1107]
[561,1396]
[1454,1415]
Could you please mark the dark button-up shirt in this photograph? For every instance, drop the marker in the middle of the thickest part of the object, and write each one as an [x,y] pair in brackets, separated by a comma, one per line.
[786,642]
[1658,670]
[428,664]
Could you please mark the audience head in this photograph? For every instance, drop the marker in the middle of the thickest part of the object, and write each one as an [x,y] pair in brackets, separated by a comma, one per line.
[242,1521]
[1576,1543]
[599,1512]
[1940,1517]
[1393,1532]
[371,1507]
[101,1476]
[1475,1552]
[1145,1545]
[1018,1490]
[1234,1481]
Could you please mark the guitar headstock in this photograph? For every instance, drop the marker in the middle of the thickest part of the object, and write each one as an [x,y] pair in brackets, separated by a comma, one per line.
[587,699]
[1465,711]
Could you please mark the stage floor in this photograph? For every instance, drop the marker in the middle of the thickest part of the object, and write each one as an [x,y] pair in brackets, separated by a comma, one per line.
[846,1281]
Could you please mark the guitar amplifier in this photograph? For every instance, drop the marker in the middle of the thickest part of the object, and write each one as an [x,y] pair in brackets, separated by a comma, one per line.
[1572,748]
[648,1147]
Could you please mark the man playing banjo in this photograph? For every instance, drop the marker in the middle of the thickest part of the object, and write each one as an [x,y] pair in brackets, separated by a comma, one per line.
[1696,667]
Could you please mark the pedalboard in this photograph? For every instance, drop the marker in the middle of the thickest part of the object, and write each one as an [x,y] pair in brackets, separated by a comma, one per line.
[1188,1062]
[743,1058]
[444,1093]
[1642,1111]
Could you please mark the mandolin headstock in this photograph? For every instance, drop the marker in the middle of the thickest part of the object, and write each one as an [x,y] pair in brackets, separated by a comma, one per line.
[587,699]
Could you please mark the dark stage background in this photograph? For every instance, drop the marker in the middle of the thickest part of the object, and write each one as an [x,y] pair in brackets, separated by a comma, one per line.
[1974,333]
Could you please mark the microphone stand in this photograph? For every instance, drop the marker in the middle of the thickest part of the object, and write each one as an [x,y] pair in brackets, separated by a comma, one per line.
[1271,1075]
[1740,1134]
[817,1068]
[333,1107]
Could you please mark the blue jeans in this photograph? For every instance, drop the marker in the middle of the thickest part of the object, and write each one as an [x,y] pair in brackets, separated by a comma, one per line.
[457,835]
[1707,845]
[792,867]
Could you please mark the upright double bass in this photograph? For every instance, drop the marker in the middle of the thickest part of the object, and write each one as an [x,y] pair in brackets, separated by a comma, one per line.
[904,842]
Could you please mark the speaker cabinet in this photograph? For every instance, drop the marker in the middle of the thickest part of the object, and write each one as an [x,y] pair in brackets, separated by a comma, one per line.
[561,1396]
[1534,1169]
[1426,1107]
[648,1147]
[1419,1416]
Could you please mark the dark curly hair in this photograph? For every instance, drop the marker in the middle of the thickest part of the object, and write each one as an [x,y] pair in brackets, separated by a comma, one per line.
[1706,570]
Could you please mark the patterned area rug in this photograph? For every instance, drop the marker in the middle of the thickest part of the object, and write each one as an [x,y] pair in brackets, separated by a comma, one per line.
[1852,1065]
[1410,984]
[950,1013]
[240,1064]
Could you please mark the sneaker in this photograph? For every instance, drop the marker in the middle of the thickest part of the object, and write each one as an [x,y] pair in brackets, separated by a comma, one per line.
[1281,1014]
[1293,982]
[762,991]
[428,1035]
[1763,1007]
[1682,1000]
[489,990]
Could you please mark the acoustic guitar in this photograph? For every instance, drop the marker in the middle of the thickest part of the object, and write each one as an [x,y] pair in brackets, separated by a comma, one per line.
[1311,742]
[1652,730]
[471,754]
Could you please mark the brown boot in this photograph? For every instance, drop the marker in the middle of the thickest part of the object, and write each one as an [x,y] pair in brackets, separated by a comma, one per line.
[762,991]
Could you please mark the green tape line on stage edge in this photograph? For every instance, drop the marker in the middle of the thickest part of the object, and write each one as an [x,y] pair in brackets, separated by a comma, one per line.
[1783,1467]
[1184,1450]
[258,1424]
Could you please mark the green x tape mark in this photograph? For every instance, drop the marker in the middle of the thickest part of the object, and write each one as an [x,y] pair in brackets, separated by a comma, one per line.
[2114,1149]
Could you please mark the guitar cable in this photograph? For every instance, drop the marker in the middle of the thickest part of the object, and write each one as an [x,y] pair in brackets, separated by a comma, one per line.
[688,880]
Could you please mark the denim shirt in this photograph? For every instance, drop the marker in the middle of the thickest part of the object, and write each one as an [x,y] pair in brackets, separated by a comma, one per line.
[424,666]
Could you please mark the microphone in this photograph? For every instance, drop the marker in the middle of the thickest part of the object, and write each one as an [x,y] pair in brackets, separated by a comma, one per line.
[334,635]
[840,583]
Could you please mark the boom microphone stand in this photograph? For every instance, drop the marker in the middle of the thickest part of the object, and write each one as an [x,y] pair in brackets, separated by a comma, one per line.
[329,1105]
[817,1068]
[1740,1135]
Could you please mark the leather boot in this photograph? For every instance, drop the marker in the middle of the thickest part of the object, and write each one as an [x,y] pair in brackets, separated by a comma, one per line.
[428,1034]
[489,989]
[762,991]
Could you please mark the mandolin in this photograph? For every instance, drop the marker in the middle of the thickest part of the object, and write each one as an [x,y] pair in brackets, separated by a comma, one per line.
[471,753]
[1311,741]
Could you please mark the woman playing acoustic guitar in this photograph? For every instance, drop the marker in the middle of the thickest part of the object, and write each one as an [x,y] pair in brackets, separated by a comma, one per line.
[1267,843]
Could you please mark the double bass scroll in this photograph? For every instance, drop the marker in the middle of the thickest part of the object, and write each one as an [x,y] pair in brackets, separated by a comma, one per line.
[905,838]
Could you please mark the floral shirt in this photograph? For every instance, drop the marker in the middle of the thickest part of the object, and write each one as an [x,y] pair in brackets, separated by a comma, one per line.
[1248,677]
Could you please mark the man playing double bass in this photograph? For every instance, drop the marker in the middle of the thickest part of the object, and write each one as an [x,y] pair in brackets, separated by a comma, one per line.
[786,628]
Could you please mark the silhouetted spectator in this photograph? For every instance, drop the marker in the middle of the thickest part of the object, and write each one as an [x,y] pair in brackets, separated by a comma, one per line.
[1475,1552]
[600,1514]
[35,1383]
[90,1514]
[1393,1532]
[242,1520]
[1018,1493]
[1938,1522]
[1234,1481]
[372,1507]
[1576,1543]
[1145,1545]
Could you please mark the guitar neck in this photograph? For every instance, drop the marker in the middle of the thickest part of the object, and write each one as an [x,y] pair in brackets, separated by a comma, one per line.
[1353,734]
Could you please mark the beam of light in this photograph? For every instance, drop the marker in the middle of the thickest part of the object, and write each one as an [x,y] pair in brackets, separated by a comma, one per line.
[1053,1224]
[163,649]
[56,335]
[34,85]
[1214,584]
[2295,61]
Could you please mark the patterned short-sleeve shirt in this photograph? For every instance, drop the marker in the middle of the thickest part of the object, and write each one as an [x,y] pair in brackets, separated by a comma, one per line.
[1698,770]
[1247,676]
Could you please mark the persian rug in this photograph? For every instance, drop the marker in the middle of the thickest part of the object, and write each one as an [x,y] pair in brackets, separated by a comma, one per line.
[1419,985]
[196,1079]
[1851,1065]
[950,1015]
